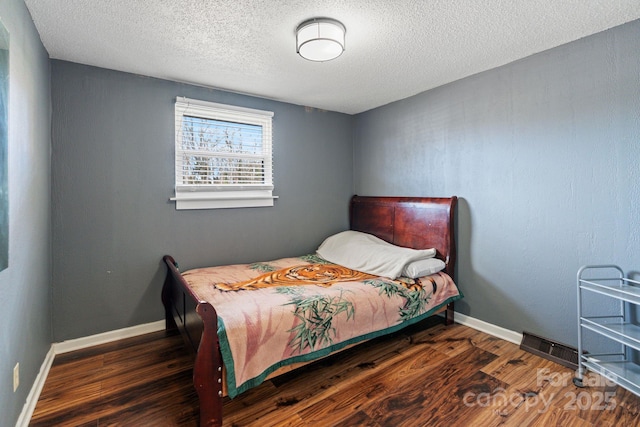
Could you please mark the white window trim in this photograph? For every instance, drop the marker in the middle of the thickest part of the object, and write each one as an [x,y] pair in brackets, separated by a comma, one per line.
[224,196]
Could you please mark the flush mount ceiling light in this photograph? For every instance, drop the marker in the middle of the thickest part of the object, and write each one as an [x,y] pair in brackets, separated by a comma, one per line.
[320,39]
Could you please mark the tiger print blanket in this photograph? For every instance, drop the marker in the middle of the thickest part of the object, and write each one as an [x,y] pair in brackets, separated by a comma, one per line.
[309,274]
[292,310]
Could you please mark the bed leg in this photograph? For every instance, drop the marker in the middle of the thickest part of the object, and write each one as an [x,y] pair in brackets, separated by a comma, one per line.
[207,372]
[210,410]
[448,314]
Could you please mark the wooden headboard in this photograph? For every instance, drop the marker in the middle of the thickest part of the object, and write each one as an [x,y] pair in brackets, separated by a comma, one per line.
[413,222]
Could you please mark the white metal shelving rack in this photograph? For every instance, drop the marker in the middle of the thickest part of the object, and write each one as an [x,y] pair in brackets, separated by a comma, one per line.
[609,281]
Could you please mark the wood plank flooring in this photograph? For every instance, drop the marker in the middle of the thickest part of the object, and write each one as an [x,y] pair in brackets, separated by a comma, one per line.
[426,375]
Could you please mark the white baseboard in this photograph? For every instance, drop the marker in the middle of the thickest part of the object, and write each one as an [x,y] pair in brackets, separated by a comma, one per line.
[489,328]
[105,337]
[36,389]
[77,344]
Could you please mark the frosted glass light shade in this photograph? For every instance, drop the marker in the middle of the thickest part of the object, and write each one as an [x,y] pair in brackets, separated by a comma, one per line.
[320,39]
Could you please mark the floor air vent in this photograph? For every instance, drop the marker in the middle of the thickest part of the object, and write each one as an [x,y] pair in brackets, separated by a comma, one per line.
[552,350]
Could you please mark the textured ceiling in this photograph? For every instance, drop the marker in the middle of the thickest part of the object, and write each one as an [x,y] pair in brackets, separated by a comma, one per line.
[394,48]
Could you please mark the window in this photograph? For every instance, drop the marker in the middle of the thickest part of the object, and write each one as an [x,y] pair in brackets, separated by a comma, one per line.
[223,156]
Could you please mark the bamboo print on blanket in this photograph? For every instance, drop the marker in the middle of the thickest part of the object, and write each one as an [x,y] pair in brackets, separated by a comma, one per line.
[298,309]
[315,315]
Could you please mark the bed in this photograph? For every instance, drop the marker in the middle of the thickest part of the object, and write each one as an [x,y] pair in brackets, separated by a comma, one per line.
[226,340]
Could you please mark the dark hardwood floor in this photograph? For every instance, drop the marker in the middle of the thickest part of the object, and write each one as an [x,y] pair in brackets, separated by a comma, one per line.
[427,375]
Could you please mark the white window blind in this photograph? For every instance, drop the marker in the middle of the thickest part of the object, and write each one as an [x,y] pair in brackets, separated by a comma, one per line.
[223,156]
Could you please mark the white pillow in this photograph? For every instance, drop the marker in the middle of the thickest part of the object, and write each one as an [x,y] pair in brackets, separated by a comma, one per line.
[423,267]
[367,253]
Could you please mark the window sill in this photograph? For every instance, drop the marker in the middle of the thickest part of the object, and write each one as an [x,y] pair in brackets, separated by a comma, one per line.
[222,201]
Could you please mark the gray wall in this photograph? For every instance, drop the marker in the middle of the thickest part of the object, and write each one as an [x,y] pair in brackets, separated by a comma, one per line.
[113,174]
[543,152]
[25,329]
[545,155]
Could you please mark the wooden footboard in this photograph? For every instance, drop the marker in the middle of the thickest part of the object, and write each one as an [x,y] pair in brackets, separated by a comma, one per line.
[411,222]
[197,322]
